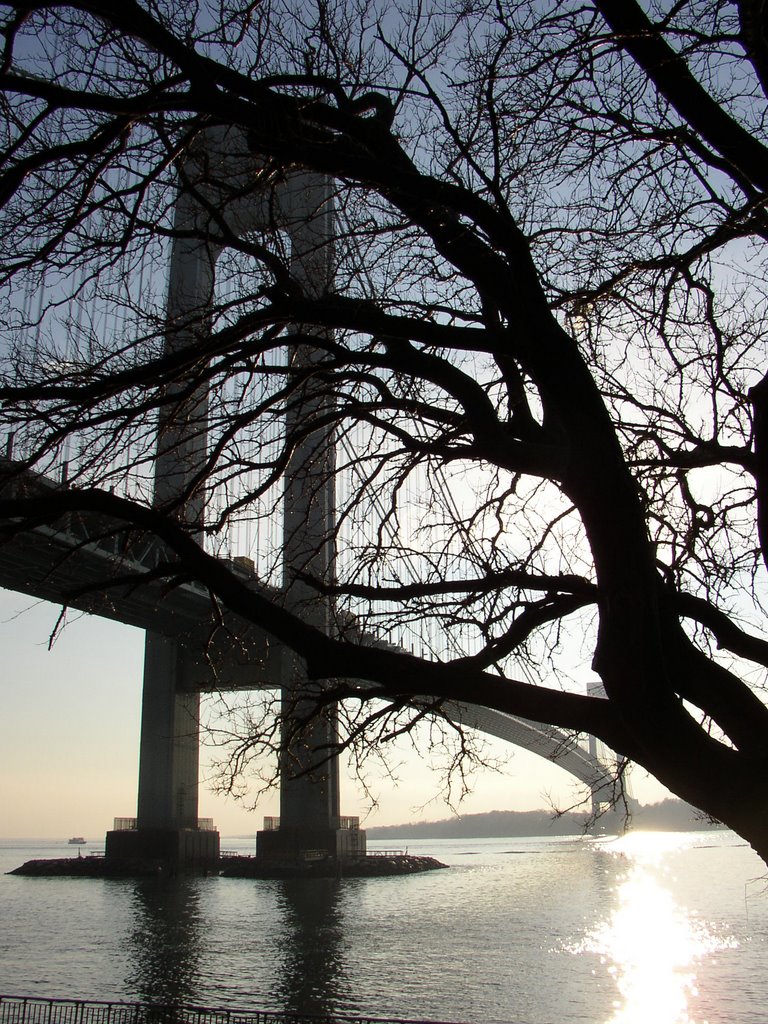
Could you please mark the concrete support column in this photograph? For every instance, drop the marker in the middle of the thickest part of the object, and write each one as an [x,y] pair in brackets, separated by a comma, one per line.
[309,768]
[167,831]
[167,815]
[309,784]
[169,753]
[309,787]
[170,719]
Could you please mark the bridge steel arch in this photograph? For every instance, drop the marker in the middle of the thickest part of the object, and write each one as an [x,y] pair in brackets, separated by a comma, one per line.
[552,744]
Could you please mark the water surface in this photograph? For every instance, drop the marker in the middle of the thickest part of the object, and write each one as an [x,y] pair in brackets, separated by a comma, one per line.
[664,928]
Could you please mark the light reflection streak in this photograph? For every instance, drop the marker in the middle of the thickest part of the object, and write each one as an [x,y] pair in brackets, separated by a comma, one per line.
[650,944]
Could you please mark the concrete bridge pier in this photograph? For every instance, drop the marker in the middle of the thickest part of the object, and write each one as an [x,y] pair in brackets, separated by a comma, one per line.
[167,805]
[167,827]
[167,824]
[310,825]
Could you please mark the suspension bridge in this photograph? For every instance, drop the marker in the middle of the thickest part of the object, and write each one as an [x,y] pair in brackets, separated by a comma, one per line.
[96,564]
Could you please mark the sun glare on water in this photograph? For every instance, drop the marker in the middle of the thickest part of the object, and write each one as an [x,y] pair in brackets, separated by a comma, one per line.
[650,944]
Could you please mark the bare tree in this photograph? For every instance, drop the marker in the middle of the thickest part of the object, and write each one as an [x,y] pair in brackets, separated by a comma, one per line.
[540,351]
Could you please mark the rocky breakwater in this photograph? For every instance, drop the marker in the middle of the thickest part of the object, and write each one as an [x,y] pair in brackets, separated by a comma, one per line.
[372,866]
[87,867]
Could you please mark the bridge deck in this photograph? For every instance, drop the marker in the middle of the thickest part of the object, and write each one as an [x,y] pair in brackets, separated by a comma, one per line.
[98,565]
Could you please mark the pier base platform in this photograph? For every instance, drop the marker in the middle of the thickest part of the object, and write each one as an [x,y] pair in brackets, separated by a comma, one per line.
[304,845]
[179,849]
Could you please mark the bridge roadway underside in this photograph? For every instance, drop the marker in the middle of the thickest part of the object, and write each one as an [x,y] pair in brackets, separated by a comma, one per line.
[94,564]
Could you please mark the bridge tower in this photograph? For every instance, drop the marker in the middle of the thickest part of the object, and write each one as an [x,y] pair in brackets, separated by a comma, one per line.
[167,825]
[309,781]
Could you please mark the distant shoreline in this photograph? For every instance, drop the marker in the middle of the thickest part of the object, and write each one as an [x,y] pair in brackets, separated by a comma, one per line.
[668,816]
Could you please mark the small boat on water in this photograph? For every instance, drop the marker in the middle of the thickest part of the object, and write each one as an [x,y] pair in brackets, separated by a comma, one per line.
[76,841]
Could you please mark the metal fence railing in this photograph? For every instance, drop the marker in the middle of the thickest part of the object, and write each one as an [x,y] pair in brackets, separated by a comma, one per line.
[40,1010]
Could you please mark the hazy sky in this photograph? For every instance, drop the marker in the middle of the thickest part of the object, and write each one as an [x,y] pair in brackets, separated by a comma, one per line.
[69,733]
